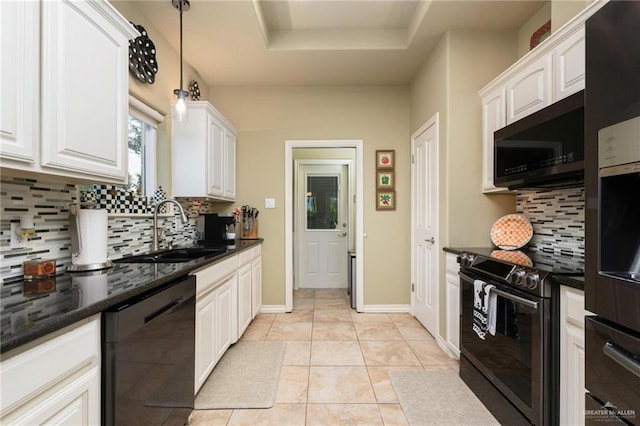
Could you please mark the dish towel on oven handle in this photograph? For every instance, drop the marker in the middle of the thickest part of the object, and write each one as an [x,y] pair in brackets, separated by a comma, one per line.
[484,318]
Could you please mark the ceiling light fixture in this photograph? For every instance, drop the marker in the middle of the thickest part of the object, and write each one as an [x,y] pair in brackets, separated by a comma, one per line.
[182,96]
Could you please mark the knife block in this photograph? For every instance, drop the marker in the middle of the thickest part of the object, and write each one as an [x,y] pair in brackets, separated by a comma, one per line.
[251,233]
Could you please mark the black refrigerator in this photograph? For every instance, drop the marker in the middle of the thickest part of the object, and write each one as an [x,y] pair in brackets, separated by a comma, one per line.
[612,218]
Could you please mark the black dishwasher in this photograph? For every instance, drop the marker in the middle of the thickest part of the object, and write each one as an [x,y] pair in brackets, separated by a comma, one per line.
[149,355]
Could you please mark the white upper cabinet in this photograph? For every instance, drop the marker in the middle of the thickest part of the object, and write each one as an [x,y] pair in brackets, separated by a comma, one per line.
[76,123]
[204,154]
[493,118]
[19,80]
[552,71]
[230,169]
[529,90]
[215,151]
[569,59]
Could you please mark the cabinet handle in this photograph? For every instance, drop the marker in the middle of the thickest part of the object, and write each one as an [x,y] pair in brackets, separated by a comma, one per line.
[619,356]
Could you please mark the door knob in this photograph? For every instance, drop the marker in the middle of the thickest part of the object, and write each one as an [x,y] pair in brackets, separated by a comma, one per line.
[431,240]
[342,234]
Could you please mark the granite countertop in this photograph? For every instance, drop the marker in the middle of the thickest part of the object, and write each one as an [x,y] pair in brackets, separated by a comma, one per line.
[571,280]
[27,312]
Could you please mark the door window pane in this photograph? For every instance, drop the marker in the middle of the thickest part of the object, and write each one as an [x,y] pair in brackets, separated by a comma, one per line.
[322,202]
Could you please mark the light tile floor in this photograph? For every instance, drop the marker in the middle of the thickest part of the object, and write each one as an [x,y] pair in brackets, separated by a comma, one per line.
[335,369]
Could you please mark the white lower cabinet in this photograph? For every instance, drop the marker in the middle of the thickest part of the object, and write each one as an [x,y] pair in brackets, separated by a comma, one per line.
[205,339]
[453,304]
[226,317]
[572,389]
[256,281]
[224,307]
[56,380]
[244,292]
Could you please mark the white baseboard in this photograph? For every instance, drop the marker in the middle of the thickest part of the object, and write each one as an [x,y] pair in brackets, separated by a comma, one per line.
[447,348]
[387,309]
[272,309]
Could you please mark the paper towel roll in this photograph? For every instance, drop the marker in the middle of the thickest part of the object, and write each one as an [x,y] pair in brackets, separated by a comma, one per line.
[92,227]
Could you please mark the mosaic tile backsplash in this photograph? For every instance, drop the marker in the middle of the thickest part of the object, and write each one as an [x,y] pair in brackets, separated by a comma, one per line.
[48,202]
[557,217]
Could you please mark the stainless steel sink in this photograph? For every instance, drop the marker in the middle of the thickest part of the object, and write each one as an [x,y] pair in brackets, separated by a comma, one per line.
[178,255]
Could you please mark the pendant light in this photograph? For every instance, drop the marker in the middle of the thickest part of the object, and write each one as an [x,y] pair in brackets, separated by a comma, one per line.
[182,96]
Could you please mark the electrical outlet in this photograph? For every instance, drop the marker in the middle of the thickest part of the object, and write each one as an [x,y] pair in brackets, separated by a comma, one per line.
[16,240]
[269,203]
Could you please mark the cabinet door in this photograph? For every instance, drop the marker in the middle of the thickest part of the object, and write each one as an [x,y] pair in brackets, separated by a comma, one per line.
[572,358]
[493,118]
[84,90]
[569,65]
[206,355]
[230,165]
[530,89]
[76,403]
[226,315]
[453,304]
[244,298]
[215,174]
[19,80]
[256,284]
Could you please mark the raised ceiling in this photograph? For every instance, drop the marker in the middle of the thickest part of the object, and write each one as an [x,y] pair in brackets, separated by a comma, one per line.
[328,42]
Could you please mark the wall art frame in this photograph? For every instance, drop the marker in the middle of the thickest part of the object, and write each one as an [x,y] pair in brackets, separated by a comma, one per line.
[385,159]
[385,179]
[385,200]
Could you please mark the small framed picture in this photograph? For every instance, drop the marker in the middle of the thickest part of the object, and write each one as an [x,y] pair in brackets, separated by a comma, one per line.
[385,159]
[385,200]
[385,179]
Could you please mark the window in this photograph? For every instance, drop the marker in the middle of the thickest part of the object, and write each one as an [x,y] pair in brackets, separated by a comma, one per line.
[143,122]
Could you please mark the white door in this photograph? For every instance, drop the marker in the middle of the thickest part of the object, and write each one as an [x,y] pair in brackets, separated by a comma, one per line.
[322,225]
[424,182]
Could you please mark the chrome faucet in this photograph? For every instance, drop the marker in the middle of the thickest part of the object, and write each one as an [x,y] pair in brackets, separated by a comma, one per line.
[156,228]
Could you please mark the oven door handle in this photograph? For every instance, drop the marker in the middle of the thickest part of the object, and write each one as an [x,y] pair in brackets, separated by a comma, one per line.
[526,302]
[619,357]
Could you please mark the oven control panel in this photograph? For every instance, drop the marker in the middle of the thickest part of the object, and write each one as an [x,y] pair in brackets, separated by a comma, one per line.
[524,277]
[466,259]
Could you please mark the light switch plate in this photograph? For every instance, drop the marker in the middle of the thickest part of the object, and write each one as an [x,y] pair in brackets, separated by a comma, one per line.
[269,203]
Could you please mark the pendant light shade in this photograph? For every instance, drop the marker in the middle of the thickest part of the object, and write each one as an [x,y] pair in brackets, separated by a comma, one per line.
[180,106]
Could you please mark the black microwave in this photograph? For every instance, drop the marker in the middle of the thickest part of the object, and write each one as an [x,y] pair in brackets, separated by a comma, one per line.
[544,149]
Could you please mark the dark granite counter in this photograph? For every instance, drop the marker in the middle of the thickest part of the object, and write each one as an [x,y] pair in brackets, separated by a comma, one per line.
[28,312]
[567,270]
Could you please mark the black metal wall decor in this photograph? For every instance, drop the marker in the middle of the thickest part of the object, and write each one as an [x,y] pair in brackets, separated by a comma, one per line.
[142,57]
[194,89]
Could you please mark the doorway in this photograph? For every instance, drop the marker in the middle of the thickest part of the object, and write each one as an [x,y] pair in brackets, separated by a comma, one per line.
[424,225]
[354,223]
[322,223]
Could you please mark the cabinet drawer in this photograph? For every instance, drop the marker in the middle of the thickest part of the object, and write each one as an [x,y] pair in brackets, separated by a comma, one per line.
[256,251]
[31,372]
[208,277]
